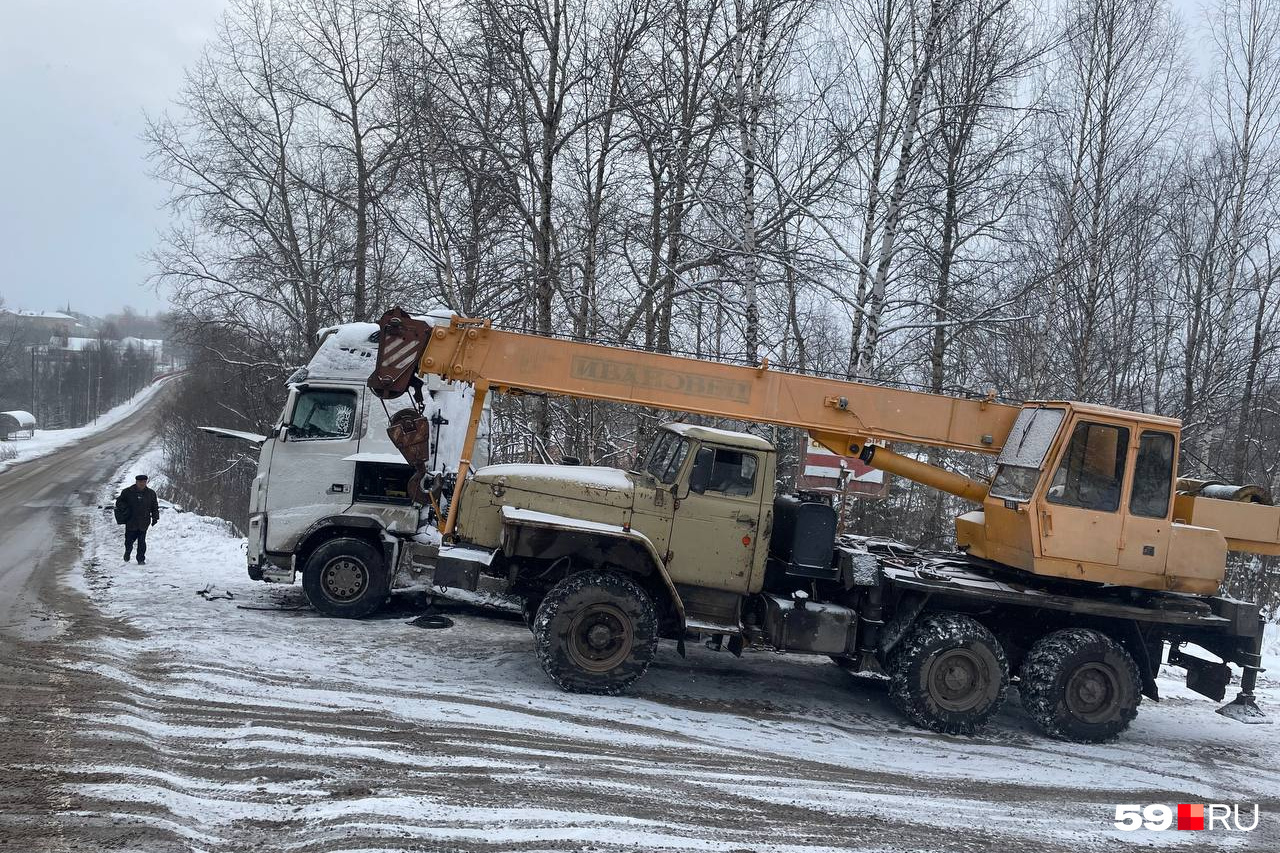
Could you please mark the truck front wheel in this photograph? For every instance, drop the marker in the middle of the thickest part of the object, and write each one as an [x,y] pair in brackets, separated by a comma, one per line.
[1079,684]
[596,632]
[345,577]
[948,674]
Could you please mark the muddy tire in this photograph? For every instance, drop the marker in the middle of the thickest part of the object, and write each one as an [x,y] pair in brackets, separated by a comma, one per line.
[596,632]
[346,578]
[1080,685]
[948,674]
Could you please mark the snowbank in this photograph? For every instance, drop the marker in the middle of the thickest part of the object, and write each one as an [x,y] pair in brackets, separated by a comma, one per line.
[46,441]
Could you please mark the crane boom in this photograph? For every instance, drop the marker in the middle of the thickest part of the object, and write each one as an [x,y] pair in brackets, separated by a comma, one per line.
[831,410]
[842,416]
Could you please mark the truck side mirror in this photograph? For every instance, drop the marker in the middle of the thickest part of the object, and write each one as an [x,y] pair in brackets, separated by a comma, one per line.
[284,432]
[700,476]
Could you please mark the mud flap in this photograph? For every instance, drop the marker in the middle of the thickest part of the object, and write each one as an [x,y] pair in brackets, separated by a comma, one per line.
[909,608]
[1206,677]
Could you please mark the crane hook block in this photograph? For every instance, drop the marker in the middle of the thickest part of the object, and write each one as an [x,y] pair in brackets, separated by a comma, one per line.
[401,341]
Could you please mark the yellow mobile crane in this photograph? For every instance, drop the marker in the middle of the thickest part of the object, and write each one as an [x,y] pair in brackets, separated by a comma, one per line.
[1083,563]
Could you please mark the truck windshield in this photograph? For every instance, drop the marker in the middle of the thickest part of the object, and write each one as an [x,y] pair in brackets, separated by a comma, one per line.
[1023,454]
[323,414]
[665,456]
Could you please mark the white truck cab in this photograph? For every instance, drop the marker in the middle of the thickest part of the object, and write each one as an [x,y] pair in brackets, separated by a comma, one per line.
[330,498]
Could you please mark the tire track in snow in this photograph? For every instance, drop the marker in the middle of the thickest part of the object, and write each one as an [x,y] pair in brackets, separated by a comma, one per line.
[228,770]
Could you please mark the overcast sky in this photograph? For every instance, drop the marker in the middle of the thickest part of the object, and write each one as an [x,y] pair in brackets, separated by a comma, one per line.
[77,209]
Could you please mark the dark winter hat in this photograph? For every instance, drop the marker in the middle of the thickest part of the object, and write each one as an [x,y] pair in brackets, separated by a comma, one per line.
[140,477]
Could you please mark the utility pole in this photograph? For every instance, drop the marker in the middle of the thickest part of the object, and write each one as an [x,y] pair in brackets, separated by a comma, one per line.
[97,401]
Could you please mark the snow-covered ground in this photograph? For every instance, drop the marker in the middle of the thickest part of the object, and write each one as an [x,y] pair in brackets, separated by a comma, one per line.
[228,716]
[46,441]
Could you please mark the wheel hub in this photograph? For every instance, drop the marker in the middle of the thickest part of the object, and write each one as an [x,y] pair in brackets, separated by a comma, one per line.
[1092,691]
[957,680]
[600,637]
[344,578]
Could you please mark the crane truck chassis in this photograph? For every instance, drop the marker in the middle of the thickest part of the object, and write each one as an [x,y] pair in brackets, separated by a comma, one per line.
[1082,573]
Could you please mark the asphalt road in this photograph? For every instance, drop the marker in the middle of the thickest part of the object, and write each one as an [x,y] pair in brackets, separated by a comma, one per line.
[38,500]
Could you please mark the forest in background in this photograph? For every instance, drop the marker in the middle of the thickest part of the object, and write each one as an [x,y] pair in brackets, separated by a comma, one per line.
[1070,200]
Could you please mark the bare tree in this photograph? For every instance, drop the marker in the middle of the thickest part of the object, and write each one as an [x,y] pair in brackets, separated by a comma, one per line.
[258,247]
[341,67]
[1245,97]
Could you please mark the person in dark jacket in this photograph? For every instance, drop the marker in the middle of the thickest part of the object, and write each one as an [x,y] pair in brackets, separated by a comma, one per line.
[137,508]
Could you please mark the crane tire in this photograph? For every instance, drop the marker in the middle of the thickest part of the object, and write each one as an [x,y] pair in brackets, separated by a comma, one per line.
[596,632]
[948,674]
[1080,685]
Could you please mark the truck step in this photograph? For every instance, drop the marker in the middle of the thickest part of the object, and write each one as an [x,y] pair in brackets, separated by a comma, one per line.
[703,626]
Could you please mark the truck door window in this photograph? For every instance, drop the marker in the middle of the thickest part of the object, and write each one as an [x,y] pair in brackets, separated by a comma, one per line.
[323,413]
[1092,469]
[1152,475]
[732,472]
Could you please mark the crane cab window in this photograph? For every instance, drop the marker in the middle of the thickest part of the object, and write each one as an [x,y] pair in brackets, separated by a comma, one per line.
[1022,458]
[323,414]
[726,472]
[1092,470]
[1152,475]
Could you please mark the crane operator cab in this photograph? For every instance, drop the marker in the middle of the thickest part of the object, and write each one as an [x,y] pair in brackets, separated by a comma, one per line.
[1088,493]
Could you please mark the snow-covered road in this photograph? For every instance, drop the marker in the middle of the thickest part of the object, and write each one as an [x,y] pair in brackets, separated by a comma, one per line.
[44,490]
[47,441]
[162,719]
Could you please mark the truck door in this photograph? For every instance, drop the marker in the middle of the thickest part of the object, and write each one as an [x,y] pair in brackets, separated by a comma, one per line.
[1147,525]
[309,477]
[1079,512]
[714,530]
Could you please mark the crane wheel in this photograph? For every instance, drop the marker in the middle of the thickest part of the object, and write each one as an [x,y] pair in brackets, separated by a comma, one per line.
[596,632]
[345,577]
[948,674]
[1080,685]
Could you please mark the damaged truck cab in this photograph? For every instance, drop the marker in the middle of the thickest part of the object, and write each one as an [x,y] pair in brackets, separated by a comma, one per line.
[331,500]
